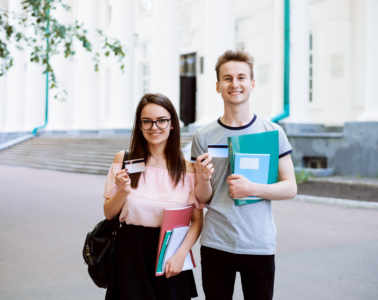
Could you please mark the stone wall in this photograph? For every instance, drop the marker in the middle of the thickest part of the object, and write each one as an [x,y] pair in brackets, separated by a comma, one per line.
[351,150]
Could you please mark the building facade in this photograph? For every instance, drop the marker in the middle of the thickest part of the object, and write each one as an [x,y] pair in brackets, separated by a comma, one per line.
[172,47]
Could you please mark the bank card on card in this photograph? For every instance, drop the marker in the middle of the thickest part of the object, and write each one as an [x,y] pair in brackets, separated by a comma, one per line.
[135,165]
[215,151]
[218,150]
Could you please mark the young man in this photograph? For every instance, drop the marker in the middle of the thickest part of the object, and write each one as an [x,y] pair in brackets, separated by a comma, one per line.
[238,238]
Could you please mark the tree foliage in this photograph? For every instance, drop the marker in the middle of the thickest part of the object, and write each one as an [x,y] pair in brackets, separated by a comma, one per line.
[38,32]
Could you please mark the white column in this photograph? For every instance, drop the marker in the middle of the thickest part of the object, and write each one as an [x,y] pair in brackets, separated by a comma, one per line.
[217,37]
[119,90]
[3,103]
[34,96]
[164,50]
[371,62]
[85,78]
[61,111]
[299,61]
[15,80]
[278,57]
[35,89]
[3,89]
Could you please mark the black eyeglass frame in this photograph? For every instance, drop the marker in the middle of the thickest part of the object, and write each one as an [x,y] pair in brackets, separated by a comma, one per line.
[152,122]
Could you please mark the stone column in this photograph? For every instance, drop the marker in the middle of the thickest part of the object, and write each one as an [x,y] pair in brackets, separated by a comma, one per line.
[15,81]
[163,51]
[278,58]
[370,92]
[3,103]
[85,78]
[299,61]
[217,37]
[124,28]
[62,111]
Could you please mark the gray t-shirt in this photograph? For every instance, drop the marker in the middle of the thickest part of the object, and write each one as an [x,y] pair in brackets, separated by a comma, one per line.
[246,229]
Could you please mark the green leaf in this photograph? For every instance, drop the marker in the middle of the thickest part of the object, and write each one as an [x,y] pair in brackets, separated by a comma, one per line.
[37,23]
[8,30]
[18,36]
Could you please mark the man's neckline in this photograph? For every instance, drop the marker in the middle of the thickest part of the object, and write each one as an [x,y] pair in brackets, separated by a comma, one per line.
[237,127]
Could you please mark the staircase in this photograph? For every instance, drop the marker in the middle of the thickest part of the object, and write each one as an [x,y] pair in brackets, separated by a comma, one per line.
[94,153]
[90,154]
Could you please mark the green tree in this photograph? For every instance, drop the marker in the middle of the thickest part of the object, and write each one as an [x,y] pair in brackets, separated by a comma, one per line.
[38,32]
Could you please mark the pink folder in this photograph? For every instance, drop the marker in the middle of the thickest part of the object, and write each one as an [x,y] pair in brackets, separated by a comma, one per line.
[172,218]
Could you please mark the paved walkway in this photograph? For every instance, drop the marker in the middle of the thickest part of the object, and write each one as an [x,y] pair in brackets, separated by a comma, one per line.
[325,252]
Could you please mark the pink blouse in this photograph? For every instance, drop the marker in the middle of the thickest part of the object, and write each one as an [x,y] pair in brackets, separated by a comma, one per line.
[155,191]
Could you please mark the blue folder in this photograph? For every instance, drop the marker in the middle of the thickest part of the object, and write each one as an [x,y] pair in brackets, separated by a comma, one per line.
[265,143]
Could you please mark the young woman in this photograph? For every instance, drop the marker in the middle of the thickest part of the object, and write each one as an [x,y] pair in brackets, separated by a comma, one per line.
[140,198]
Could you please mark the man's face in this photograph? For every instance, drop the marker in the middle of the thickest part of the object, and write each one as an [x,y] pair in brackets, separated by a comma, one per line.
[235,83]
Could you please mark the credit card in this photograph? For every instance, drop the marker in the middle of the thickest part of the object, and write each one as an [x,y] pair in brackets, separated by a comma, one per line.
[215,151]
[218,150]
[135,165]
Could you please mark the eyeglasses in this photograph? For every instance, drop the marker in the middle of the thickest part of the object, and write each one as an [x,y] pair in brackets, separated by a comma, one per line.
[160,123]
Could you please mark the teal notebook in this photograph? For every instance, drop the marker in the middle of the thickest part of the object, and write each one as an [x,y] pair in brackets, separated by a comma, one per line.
[160,265]
[265,143]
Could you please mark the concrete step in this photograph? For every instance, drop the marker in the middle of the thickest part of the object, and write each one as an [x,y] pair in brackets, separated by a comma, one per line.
[93,155]
[79,154]
[354,188]
[72,168]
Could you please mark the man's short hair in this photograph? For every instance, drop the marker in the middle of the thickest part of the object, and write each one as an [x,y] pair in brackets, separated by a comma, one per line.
[237,55]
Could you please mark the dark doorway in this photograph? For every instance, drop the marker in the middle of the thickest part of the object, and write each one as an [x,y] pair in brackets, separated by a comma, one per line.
[188,88]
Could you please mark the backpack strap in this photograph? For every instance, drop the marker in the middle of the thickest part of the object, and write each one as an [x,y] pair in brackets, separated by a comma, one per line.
[125,155]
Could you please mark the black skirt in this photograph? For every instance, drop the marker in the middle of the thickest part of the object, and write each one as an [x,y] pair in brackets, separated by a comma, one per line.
[134,271]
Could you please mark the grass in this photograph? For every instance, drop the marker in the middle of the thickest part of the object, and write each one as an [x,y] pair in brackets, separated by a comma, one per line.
[302,176]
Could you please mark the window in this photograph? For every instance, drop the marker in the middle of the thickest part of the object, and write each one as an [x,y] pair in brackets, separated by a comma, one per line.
[109,14]
[144,69]
[311,69]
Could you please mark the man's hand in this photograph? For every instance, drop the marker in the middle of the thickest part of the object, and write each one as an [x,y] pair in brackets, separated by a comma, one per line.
[239,186]
[204,167]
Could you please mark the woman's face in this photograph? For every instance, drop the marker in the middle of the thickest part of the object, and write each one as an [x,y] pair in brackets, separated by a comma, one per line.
[155,124]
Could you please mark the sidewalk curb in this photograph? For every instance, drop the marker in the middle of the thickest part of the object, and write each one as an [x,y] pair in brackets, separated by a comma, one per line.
[337,201]
[15,141]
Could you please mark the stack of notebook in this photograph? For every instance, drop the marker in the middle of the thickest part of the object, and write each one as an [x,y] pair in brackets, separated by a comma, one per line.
[173,230]
[255,156]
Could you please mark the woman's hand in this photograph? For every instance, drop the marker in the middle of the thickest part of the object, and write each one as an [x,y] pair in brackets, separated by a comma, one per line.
[204,167]
[123,181]
[174,264]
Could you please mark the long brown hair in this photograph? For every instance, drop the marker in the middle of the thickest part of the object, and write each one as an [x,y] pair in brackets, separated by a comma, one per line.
[139,146]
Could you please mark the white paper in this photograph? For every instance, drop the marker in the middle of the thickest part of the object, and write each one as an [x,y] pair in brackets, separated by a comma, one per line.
[250,163]
[177,237]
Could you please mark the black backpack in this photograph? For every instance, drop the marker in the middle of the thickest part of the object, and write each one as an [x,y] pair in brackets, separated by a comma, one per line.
[99,249]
